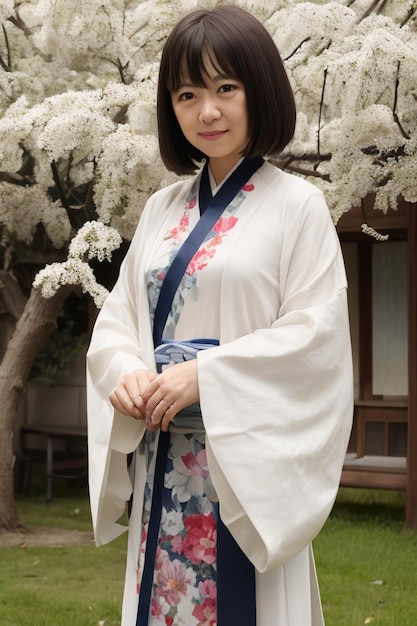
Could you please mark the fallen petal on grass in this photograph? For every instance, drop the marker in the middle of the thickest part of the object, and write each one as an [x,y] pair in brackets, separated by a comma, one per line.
[369,620]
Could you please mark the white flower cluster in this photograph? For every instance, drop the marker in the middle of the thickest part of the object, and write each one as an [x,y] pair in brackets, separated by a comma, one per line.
[368,230]
[22,208]
[6,10]
[93,240]
[78,107]
[129,169]
[355,82]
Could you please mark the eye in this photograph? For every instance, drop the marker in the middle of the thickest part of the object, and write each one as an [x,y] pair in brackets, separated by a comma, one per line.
[226,88]
[186,95]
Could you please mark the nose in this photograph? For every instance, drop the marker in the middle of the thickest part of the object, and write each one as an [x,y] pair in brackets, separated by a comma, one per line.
[209,111]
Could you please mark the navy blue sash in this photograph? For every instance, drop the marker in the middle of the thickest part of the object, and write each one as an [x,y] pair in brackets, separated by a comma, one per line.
[236,602]
[211,209]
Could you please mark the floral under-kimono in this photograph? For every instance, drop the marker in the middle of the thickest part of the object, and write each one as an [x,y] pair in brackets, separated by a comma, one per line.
[276,398]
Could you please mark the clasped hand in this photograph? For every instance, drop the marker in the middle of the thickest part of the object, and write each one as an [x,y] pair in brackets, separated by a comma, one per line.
[157,398]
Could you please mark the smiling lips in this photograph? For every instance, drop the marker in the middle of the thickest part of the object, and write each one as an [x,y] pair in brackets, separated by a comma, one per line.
[213,134]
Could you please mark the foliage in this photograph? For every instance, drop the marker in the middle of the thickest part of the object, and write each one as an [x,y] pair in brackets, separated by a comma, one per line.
[78,131]
[64,344]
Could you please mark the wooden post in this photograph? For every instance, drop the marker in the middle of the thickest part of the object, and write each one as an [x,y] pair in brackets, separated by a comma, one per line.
[411,505]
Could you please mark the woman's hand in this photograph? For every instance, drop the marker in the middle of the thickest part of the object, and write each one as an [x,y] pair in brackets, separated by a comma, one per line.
[127,396]
[170,392]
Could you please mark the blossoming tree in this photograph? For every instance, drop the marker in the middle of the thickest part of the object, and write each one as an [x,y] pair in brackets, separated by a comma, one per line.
[78,146]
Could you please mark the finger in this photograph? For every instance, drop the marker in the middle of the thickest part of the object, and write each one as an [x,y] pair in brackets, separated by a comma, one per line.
[158,413]
[153,428]
[130,383]
[169,415]
[153,403]
[151,388]
[121,401]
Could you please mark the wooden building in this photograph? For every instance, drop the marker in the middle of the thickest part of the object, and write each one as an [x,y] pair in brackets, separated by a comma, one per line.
[383,310]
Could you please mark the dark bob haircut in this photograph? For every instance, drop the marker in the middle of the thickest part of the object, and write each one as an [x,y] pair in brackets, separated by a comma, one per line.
[236,44]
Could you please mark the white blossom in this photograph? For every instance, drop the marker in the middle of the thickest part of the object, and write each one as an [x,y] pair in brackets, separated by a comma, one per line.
[6,9]
[368,230]
[22,208]
[79,106]
[129,170]
[93,240]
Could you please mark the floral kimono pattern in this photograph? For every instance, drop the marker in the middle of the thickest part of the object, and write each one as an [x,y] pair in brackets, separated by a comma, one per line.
[184,584]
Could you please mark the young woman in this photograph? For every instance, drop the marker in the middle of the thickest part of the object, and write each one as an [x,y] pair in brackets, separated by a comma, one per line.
[221,359]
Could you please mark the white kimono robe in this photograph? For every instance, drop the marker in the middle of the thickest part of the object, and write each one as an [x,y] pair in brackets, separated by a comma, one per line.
[276,394]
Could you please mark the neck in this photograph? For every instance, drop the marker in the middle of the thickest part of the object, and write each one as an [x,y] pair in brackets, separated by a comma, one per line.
[220,168]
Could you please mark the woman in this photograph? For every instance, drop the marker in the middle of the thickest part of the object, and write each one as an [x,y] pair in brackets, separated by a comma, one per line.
[239,439]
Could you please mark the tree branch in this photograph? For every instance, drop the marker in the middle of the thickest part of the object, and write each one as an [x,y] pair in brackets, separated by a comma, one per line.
[374,8]
[6,66]
[17,21]
[58,183]
[409,15]
[296,49]
[290,167]
[291,164]
[394,108]
[321,110]
[121,69]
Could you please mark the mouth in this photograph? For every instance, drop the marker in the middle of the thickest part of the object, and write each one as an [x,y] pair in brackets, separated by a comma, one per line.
[212,134]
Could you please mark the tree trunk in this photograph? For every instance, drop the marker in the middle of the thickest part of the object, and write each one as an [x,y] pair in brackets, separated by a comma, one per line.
[33,328]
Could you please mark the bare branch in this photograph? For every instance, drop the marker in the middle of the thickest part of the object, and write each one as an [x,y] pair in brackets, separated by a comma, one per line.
[291,167]
[296,49]
[373,8]
[6,66]
[122,69]
[292,164]
[321,110]
[17,21]
[409,15]
[394,108]
[13,178]
[59,186]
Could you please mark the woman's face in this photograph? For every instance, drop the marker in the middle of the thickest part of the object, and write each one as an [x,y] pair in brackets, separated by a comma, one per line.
[214,118]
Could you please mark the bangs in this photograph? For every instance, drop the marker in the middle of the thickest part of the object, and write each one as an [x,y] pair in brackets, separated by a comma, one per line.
[194,58]
[231,43]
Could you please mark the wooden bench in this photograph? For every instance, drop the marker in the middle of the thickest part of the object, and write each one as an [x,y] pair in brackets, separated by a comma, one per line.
[374,472]
[62,450]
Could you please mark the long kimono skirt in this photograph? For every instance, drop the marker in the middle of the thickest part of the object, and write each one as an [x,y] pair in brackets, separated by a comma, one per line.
[184,579]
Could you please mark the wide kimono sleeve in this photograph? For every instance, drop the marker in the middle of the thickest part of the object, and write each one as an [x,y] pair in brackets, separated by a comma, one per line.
[277,403]
[121,342]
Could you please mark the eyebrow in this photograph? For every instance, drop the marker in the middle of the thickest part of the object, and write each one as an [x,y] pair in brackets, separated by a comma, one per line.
[215,79]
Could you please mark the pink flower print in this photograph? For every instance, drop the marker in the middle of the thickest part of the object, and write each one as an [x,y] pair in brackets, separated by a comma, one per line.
[162,557]
[207,589]
[206,613]
[248,187]
[224,224]
[192,203]
[215,241]
[199,261]
[159,608]
[182,227]
[196,466]
[173,580]
[176,544]
[199,542]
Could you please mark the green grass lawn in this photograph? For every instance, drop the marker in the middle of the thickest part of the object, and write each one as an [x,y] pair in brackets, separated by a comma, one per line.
[366,563]
[69,586]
